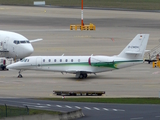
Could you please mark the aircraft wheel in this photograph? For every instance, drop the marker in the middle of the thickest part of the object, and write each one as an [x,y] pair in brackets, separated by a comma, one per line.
[20,76]
[85,75]
[81,76]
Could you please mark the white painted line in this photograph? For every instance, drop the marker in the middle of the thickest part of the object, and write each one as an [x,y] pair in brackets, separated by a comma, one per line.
[48,105]
[77,107]
[87,108]
[58,106]
[136,118]
[68,106]
[121,110]
[38,104]
[106,109]
[115,110]
[96,108]
[157,116]
[41,106]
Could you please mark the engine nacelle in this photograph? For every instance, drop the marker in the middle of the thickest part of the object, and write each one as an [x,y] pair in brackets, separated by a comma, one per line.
[100,61]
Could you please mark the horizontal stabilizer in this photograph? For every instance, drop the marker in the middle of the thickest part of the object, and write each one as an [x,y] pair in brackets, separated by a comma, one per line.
[36,40]
[132,52]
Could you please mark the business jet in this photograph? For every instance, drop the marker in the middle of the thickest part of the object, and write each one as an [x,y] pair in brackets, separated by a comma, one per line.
[14,45]
[131,55]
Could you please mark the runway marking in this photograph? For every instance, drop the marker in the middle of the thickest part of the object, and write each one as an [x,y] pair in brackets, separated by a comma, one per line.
[136,118]
[96,108]
[87,108]
[115,110]
[106,109]
[58,106]
[48,105]
[68,106]
[41,106]
[77,107]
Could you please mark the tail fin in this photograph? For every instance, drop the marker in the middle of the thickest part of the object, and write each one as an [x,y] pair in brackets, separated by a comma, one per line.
[136,48]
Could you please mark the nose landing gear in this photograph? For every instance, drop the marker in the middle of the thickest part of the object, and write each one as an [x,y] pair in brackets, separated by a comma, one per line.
[20,76]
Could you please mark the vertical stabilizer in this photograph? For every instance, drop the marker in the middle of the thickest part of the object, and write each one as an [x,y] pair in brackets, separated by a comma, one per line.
[136,48]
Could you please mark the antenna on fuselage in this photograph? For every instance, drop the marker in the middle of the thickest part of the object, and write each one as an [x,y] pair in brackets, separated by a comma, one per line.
[62,54]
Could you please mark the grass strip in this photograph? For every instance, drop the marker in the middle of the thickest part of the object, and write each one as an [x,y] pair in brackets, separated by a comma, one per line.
[19,111]
[126,4]
[110,100]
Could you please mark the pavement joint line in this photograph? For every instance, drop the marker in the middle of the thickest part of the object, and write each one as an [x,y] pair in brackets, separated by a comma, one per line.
[58,106]
[68,106]
[96,108]
[87,108]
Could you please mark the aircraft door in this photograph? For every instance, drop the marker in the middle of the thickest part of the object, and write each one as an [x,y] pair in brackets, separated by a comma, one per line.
[5,43]
[39,62]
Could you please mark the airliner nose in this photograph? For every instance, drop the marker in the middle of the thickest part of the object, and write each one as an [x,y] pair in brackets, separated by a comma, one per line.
[28,50]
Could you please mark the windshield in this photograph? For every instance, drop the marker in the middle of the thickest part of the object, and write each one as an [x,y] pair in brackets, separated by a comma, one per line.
[20,42]
[25,60]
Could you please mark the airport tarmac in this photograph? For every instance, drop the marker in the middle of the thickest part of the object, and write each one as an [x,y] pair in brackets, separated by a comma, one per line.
[114,30]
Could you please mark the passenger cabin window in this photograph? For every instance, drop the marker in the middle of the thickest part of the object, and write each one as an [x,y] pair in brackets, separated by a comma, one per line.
[60,60]
[66,60]
[54,60]
[78,60]
[43,60]
[49,60]
[71,60]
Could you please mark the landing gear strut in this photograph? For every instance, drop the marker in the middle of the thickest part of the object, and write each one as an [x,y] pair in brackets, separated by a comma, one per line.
[20,76]
[81,75]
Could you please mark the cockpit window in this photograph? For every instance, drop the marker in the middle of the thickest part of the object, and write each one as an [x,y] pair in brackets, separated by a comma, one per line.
[20,41]
[25,60]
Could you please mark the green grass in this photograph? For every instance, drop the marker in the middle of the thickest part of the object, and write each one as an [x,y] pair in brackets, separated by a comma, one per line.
[17,111]
[128,4]
[110,100]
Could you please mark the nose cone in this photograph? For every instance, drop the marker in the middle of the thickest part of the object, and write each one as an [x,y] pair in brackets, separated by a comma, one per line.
[11,66]
[28,50]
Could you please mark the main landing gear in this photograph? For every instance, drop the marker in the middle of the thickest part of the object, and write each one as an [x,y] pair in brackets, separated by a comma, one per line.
[20,76]
[81,75]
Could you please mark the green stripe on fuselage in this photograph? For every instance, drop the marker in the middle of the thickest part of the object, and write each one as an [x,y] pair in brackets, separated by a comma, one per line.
[99,64]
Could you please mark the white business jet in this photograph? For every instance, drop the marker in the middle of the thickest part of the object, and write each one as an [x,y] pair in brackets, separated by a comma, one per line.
[14,45]
[131,55]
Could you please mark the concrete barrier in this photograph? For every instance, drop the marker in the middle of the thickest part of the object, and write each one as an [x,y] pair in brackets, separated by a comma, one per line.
[39,3]
[64,116]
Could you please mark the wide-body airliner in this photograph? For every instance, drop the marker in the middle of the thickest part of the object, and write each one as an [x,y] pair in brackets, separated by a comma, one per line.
[15,45]
[131,55]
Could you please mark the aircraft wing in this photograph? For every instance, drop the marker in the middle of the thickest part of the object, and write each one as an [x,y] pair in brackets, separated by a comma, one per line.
[76,71]
[4,51]
[36,40]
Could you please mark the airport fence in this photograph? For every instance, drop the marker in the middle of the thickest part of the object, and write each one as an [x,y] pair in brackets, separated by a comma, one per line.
[8,111]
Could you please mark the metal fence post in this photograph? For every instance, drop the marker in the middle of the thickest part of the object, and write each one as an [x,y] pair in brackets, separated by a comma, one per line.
[27,110]
[6,109]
